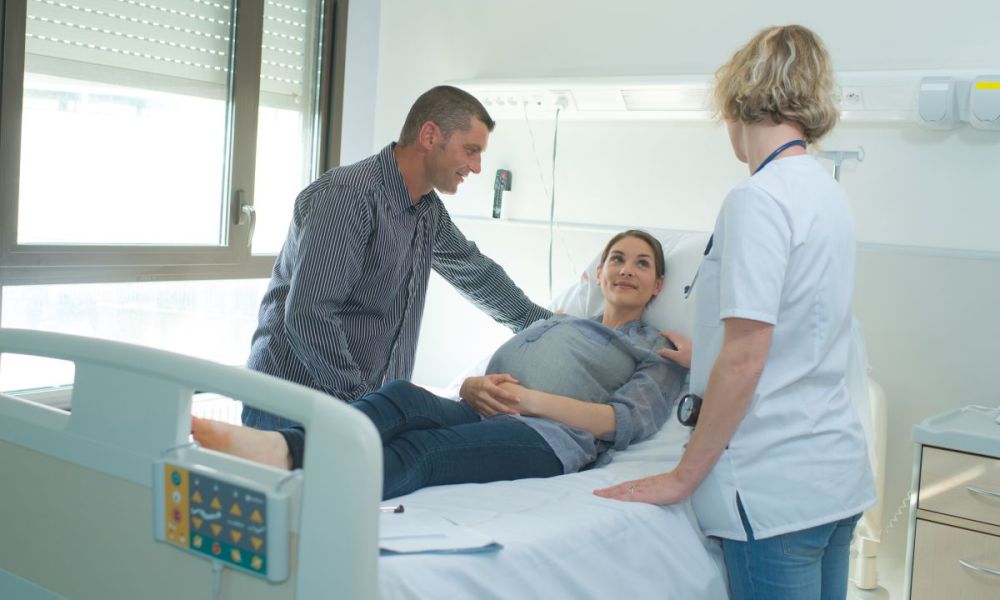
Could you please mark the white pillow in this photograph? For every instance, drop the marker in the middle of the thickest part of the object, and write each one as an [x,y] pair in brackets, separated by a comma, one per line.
[670,310]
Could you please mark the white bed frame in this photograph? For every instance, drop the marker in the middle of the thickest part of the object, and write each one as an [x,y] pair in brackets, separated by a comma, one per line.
[76,502]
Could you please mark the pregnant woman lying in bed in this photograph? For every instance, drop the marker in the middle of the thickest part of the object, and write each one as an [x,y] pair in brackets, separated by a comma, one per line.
[564,392]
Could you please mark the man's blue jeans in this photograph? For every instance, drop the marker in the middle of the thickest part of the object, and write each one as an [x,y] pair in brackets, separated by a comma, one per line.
[802,565]
[428,440]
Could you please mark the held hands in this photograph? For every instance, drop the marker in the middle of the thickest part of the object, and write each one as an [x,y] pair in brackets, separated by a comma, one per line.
[665,488]
[491,394]
[682,355]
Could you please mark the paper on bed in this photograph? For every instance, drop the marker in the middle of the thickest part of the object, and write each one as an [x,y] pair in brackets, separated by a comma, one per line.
[418,531]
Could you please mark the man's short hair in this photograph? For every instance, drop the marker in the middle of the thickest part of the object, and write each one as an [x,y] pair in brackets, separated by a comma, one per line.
[783,75]
[447,107]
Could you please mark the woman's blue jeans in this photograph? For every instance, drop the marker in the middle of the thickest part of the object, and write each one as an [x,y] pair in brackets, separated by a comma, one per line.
[810,564]
[428,440]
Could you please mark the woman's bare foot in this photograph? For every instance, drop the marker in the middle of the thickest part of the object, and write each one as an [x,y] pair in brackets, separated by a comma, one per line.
[267,447]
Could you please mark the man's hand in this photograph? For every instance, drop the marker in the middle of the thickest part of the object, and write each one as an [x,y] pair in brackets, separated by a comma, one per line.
[682,355]
[487,397]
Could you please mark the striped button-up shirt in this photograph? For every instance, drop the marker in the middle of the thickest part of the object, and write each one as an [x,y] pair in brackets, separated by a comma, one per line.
[342,311]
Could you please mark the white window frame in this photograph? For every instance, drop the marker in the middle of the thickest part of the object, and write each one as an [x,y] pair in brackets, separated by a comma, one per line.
[22,264]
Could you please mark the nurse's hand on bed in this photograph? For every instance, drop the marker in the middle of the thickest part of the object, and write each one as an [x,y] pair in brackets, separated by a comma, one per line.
[682,355]
[665,488]
[486,395]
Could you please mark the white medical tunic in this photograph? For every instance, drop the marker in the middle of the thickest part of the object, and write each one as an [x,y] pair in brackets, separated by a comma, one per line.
[784,253]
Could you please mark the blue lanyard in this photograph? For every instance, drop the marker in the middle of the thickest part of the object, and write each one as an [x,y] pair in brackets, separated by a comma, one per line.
[766,161]
[775,154]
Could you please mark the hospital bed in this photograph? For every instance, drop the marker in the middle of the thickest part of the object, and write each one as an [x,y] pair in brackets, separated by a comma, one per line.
[89,498]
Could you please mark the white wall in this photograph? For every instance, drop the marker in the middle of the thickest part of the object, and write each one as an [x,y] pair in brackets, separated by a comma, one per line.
[360,79]
[925,203]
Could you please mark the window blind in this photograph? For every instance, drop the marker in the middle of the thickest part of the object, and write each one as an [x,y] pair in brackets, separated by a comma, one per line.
[176,45]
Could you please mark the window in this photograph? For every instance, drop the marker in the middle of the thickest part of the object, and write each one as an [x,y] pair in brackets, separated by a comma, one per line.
[150,154]
[151,138]
[287,149]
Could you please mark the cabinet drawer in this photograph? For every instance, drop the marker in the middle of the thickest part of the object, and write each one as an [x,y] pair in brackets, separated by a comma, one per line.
[937,572]
[959,484]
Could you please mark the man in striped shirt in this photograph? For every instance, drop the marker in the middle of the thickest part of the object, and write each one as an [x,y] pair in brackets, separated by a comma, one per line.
[342,311]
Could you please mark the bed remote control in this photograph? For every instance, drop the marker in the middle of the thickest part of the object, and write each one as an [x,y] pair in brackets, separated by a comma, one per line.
[237,521]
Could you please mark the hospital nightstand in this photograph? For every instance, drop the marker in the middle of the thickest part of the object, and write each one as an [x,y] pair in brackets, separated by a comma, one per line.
[953,549]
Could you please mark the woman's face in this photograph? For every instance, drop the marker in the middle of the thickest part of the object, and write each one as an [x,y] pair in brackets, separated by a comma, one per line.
[628,274]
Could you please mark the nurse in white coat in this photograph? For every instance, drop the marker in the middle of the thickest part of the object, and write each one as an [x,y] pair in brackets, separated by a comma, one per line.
[777,465]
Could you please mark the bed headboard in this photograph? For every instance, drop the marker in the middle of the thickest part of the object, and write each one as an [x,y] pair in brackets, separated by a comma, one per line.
[78,504]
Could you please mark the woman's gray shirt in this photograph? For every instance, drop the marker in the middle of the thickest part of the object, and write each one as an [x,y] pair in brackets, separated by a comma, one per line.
[588,361]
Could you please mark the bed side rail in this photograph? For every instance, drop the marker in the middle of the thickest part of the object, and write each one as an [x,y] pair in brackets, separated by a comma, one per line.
[132,404]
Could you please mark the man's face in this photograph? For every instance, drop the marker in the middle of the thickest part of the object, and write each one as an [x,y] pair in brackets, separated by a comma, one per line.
[451,160]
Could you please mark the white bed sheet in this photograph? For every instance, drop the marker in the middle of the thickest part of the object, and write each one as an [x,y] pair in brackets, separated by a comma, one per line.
[561,541]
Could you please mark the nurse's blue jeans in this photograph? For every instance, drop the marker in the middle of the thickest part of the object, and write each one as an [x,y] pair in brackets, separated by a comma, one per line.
[428,440]
[810,564]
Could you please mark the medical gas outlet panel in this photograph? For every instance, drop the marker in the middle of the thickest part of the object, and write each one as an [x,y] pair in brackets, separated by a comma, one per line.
[242,523]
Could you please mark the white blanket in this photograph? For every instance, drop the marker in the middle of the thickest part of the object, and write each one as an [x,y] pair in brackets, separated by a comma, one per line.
[561,541]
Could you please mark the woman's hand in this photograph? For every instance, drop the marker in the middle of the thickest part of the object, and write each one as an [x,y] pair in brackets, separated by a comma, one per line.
[529,402]
[682,355]
[595,417]
[665,488]
[487,394]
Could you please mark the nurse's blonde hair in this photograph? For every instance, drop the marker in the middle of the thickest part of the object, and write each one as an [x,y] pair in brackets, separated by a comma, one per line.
[782,75]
